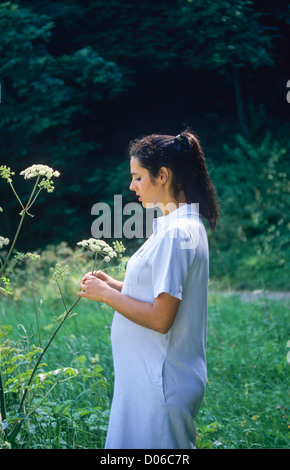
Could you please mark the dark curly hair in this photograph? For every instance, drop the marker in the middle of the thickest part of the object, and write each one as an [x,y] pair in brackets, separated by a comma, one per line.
[184,156]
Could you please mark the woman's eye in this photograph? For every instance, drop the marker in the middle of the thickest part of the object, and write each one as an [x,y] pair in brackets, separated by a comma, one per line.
[137,179]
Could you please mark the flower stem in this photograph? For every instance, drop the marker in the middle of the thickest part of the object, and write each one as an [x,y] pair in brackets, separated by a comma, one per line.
[2,400]
[31,204]
[46,395]
[94,265]
[93,271]
[23,213]
[17,425]
[36,314]
[18,198]
[62,297]
[13,243]
[44,351]
[32,194]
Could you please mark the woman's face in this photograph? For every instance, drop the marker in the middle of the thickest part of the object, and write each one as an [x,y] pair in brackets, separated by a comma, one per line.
[141,183]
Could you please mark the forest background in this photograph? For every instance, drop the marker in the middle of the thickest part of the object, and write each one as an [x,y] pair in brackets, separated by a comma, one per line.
[79,80]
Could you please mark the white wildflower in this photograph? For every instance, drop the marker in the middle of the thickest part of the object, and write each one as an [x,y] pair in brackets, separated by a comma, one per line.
[42,170]
[99,246]
[3,241]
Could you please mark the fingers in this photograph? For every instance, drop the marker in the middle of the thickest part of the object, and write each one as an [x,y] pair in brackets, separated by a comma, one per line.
[88,276]
[87,280]
[83,287]
[98,274]
[91,288]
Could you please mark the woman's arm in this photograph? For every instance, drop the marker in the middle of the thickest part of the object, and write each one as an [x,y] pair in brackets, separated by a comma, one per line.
[157,316]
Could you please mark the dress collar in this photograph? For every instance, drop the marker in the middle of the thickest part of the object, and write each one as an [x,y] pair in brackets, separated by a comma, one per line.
[183,210]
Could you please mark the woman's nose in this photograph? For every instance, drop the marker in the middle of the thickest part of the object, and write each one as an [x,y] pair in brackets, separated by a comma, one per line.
[131,187]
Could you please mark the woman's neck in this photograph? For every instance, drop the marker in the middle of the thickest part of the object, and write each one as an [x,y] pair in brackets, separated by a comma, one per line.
[171,203]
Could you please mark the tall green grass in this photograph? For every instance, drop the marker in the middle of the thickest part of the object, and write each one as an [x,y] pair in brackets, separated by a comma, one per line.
[246,403]
[75,414]
[247,398]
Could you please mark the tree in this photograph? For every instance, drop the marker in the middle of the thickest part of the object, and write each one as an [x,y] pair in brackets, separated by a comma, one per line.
[233,37]
[48,99]
[227,36]
[41,91]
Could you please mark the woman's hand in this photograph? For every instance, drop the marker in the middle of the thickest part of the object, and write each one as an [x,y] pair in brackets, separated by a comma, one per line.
[93,287]
[110,281]
[157,316]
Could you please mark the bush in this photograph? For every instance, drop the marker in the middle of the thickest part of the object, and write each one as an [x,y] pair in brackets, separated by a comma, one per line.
[249,248]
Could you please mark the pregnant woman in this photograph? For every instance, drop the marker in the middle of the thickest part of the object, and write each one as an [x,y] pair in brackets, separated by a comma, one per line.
[159,327]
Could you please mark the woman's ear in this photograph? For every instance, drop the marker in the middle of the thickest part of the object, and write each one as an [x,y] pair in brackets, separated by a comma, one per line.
[163,174]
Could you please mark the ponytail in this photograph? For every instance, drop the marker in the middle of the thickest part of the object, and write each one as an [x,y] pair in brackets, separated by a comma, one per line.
[200,188]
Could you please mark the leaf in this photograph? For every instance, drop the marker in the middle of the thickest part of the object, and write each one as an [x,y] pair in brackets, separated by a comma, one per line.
[5,330]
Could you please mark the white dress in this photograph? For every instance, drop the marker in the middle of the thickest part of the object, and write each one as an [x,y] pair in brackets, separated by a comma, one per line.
[160,378]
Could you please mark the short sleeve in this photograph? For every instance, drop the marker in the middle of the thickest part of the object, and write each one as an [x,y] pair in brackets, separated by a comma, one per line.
[172,259]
